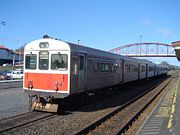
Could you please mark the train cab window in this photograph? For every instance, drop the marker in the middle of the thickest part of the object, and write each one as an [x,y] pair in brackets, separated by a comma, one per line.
[43,60]
[31,60]
[81,62]
[59,61]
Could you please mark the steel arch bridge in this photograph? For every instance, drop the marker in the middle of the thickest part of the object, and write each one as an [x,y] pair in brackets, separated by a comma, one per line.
[149,49]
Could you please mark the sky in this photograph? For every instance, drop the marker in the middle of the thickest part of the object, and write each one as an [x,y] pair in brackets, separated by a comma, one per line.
[101,24]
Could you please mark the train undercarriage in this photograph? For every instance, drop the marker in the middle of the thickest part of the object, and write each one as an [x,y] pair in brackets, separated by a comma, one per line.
[42,104]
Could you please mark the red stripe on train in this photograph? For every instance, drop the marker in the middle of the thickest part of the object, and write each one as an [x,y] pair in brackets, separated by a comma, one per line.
[44,81]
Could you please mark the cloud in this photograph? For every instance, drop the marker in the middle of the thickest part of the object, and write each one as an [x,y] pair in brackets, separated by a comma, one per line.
[146,21]
[164,32]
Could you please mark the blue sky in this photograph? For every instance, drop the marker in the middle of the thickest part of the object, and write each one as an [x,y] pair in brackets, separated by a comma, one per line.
[102,24]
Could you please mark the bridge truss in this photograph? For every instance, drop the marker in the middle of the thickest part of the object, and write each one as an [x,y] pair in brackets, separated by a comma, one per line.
[149,49]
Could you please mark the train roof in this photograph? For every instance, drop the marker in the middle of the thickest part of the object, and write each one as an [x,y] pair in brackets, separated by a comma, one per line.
[84,49]
[80,48]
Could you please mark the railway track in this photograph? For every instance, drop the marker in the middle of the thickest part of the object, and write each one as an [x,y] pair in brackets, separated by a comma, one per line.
[25,120]
[20,120]
[118,121]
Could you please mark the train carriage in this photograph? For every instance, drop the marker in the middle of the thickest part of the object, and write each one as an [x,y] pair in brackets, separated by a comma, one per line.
[56,69]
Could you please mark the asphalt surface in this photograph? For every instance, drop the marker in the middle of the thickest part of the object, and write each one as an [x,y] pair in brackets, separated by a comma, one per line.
[11,84]
[13,101]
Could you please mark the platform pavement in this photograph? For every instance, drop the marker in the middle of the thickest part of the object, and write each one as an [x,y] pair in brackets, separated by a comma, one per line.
[165,119]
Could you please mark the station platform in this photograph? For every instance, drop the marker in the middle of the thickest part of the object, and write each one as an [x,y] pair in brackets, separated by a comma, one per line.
[165,118]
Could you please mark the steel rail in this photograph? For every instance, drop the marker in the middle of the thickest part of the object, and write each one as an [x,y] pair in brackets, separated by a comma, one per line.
[14,116]
[8,128]
[97,123]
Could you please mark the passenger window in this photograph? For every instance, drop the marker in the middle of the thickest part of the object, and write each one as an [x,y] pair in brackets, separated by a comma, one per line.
[107,67]
[96,66]
[102,67]
[116,67]
[81,62]
[143,69]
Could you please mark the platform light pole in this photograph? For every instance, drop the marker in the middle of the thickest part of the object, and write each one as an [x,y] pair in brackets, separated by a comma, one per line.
[3,23]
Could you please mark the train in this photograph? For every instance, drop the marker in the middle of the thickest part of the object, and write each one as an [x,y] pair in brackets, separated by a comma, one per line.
[56,69]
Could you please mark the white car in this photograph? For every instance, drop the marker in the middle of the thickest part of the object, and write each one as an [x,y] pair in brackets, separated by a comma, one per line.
[16,74]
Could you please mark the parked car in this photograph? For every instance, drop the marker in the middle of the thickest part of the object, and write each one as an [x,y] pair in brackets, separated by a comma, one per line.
[16,74]
[7,64]
[1,77]
[4,76]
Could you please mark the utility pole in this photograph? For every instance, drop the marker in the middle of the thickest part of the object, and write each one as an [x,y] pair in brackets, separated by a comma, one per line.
[19,51]
[3,23]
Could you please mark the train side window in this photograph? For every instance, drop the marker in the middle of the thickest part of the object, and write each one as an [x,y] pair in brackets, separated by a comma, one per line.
[81,62]
[112,68]
[127,68]
[102,67]
[116,67]
[143,68]
[135,68]
[151,69]
[44,60]
[31,61]
[107,67]
[96,66]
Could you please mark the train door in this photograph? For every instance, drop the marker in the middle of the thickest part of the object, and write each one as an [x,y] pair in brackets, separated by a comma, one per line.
[81,71]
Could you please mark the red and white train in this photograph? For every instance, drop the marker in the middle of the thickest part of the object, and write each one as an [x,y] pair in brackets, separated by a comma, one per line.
[56,69]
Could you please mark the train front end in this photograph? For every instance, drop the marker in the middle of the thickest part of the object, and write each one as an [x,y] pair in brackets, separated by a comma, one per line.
[46,73]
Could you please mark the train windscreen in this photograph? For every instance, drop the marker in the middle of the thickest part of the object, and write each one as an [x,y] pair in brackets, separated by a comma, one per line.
[59,61]
[31,60]
[43,60]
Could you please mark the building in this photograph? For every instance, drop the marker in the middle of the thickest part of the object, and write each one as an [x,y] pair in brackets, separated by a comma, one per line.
[9,56]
